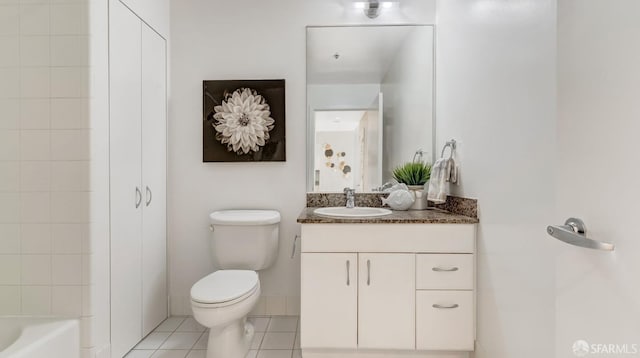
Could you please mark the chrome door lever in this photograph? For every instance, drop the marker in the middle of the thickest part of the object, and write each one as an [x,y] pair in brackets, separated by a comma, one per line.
[574,232]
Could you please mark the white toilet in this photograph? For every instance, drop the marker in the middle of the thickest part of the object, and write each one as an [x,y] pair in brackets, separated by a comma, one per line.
[243,241]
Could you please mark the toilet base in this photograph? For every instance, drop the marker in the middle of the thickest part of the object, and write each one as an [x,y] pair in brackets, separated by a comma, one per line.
[231,341]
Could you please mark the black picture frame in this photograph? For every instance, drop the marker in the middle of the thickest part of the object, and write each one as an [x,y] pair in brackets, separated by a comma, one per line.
[225,147]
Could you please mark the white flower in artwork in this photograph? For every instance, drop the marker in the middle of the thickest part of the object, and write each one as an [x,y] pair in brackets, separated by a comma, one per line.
[243,121]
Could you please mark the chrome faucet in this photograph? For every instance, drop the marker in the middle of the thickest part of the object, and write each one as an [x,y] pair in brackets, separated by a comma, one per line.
[351,197]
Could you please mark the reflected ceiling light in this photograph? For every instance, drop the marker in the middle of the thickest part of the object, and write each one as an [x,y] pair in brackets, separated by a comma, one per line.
[372,8]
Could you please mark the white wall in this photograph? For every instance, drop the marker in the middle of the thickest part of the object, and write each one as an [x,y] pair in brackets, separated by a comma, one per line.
[407,90]
[215,39]
[496,95]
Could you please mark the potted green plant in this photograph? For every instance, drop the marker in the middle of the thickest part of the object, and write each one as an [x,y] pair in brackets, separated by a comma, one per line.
[414,175]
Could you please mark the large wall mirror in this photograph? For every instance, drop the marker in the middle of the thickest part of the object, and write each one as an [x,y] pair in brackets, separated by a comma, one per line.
[370,103]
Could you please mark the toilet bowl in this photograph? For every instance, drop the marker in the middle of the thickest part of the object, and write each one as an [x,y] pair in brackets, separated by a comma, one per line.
[221,302]
[242,242]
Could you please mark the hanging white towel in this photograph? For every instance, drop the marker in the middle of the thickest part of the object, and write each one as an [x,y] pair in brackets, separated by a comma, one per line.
[437,191]
[452,171]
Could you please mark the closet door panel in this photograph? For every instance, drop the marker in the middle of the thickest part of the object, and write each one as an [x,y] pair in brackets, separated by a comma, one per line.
[154,169]
[125,178]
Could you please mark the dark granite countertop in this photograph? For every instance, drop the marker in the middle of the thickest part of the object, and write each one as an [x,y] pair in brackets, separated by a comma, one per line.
[432,216]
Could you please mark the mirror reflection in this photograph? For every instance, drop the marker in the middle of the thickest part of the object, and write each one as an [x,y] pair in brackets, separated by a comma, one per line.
[370,104]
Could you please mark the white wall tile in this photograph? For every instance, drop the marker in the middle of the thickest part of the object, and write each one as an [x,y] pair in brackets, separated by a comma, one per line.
[66,270]
[9,239]
[9,56]
[35,145]
[69,207]
[9,82]
[69,19]
[9,176]
[9,300]
[67,238]
[70,145]
[69,82]
[9,20]
[34,82]
[66,300]
[36,300]
[9,269]
[35,176]
[35,238]
[69,51]
[8,204]
[36,269]
[69,113]
[34,19]
[9,145]
[35,113]
[70,176]
[34,51]
[10,109]
[34,207]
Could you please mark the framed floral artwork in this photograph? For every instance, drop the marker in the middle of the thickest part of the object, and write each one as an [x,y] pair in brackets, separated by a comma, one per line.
[243,121]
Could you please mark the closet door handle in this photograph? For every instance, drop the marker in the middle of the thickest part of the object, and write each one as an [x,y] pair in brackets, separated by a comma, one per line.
[348,281]
[138,197]
[446,307]
[368,272]
[149,196]
[441,269]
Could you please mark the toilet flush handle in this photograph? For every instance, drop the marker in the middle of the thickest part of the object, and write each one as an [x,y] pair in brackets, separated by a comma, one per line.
[211,227]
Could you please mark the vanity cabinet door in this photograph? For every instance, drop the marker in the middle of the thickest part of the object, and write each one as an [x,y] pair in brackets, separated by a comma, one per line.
[329,303]
[386,301]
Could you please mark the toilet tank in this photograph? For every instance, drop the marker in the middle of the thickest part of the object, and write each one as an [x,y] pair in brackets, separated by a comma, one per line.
[244,239]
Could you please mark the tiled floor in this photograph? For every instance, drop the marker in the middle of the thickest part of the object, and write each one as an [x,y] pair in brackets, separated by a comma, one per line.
[180,337]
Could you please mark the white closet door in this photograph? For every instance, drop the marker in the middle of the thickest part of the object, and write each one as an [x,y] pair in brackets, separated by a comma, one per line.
[125,149]
[154,173]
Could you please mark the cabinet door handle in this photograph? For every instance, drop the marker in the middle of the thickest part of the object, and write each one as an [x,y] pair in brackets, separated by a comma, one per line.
[445,269]
[455,305]
[149,196]
[293,251]
[138,197]
[348,281]
[368,272]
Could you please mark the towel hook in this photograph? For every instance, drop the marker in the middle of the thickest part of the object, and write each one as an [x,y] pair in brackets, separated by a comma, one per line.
[451,145]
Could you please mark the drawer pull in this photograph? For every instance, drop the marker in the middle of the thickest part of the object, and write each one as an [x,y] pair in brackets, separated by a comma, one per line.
[455,305]
[447,269]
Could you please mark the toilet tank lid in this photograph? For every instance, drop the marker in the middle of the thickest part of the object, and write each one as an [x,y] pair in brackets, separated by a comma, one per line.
[245,217]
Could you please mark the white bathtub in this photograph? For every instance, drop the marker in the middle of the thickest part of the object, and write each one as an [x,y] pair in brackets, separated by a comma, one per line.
[27,337]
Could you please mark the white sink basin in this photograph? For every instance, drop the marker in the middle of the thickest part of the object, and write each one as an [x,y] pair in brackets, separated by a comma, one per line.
[342,211]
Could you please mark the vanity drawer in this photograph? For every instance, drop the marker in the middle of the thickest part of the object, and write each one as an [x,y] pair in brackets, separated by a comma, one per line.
[444,271]
[445,320]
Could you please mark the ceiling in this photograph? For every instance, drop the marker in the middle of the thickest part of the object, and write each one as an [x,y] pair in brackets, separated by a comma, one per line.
[365,53]
[337,121]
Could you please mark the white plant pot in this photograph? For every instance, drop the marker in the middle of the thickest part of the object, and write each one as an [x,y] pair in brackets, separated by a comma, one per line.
[420,194]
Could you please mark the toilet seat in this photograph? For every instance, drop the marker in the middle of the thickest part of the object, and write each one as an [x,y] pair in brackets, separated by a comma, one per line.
[224,287]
